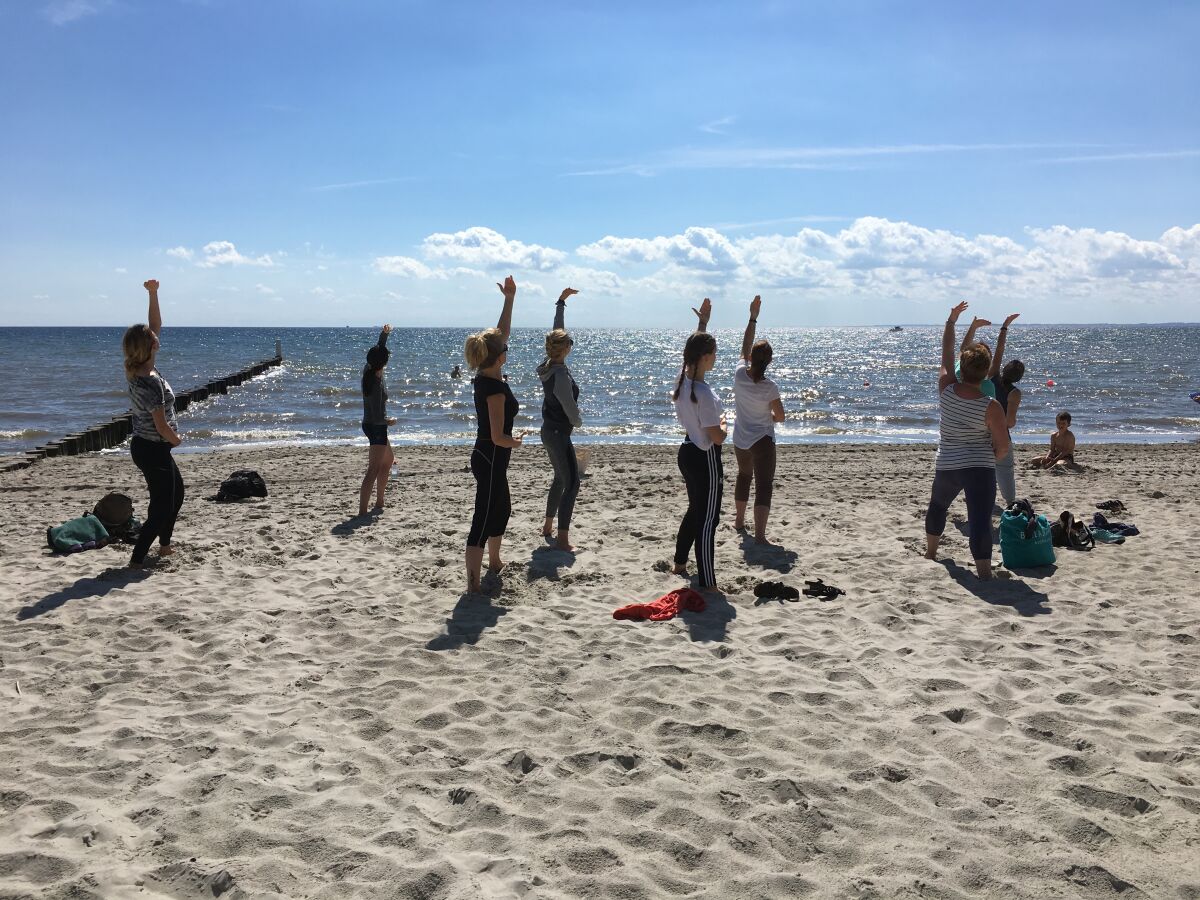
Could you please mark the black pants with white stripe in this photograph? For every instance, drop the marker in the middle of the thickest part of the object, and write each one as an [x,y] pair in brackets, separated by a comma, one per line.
[705,480]
[493,504]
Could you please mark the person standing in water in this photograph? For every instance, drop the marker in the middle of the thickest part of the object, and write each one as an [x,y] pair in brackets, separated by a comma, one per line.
[757,407]
[560,416]
[154,432]
[972,436]
[1004,377]
[375,425]
[700,413]
[495,408]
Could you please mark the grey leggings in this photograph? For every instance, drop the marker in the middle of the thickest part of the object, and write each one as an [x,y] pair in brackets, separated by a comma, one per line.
[758,463]
[565,487]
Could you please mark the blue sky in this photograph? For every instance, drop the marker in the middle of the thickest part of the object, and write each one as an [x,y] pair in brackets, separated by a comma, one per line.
[320,162]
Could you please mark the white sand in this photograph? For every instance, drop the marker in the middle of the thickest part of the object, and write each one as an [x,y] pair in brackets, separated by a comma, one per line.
[296,708]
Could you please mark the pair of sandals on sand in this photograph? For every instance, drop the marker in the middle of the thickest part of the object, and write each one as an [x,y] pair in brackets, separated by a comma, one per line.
[777,590]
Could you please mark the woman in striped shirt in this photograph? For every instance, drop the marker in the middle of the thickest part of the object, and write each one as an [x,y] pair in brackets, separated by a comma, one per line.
[973,434]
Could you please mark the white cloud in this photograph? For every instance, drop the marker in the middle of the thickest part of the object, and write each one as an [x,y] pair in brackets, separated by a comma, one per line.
[181,253]
[718,126]
[64,12]
[121,270]
[324,293]
[263,289]
[696,248]
[224,253]
[1103,254]
[407,267]
[488,249]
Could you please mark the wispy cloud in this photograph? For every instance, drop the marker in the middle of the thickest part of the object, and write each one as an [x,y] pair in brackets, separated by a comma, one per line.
[350,185]
[64,12]
[718,126]
[821,158]
[1122,157]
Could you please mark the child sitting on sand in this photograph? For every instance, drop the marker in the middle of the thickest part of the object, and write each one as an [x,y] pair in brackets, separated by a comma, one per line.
[1062,445]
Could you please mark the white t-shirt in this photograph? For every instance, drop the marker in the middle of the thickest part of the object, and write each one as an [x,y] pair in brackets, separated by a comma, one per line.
[695,417]
[752,407]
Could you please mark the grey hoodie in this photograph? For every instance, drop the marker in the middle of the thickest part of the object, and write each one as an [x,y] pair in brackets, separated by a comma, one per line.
[560,409]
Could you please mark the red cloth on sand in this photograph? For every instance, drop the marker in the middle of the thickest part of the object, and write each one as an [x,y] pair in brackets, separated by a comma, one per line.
[665,607]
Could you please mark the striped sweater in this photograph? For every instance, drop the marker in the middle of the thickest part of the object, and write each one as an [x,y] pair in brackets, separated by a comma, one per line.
[964,439]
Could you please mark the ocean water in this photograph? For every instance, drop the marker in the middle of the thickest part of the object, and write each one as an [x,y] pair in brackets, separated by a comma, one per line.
[1120,383]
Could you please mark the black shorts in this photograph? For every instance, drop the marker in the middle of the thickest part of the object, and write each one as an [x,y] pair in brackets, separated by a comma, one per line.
[376,434]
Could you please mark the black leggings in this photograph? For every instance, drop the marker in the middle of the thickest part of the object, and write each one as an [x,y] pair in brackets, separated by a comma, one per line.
[166,493]
[757,462]
[979,483]
[493,505]
[565,487]
[705,480]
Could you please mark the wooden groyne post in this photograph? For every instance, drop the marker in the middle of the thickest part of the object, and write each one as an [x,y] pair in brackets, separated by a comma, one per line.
[117,430]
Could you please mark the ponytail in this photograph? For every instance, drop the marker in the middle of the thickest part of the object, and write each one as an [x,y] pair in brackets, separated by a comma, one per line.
[761,355]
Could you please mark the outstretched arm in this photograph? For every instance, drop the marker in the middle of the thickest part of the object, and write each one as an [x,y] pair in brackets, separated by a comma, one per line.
[998,356]
[560,308]
[154,317]
[383,336]
[509,290]
[703,314]
[969,337]
[947,372]
[748,337]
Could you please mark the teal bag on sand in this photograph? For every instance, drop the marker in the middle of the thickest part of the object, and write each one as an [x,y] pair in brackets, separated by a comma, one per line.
[1020,552]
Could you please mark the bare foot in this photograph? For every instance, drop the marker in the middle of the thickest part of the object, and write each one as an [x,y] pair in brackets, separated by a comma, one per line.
[495,566]
[362,512]
[739,525]
[679,570]
[565,545]
[166,551]
[931,554]
[761,540]
[377,510]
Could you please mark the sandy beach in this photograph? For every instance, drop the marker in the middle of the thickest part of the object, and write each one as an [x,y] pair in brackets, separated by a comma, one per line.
[302,705]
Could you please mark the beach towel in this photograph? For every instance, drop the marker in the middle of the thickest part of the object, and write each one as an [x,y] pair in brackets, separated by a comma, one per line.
[85,533]
[1118,528]
[666,607]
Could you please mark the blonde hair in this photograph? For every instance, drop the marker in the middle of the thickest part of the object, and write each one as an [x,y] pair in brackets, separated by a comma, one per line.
[138,346]
[974,363]
[556,342]
[484,348]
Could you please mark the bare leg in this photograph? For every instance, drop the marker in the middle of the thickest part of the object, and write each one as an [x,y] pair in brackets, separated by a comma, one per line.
[931,545]
[739,521]
[564,541]
[984,569]
[760,523]
[381,479]
[364,492]
[494,562]
[548,527]
[474,560]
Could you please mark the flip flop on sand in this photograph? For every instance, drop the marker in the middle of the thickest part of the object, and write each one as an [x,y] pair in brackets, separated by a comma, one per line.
[822,591]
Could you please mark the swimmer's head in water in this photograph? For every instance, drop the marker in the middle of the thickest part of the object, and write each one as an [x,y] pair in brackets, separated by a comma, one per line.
[138,344]
[974,363]
[484,349]
[761,355]
[558,343]
[1013,371]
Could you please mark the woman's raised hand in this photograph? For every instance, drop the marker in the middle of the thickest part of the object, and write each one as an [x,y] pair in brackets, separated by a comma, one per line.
[755,306]
[957,311]
[704,312]
[1008,321]
[387,329]
[509,288]
[567,292]
[980,322]
[151,285]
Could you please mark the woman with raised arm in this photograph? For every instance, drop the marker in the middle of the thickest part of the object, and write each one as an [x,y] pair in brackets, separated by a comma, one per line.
[560,416]
[495,409]
[375,425]
[757,407]
[972,436]
[154,433]
[968,339]
[699,412]
[1004,377]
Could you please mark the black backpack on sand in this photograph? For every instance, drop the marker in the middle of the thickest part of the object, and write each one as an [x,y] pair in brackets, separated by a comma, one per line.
[241,485]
